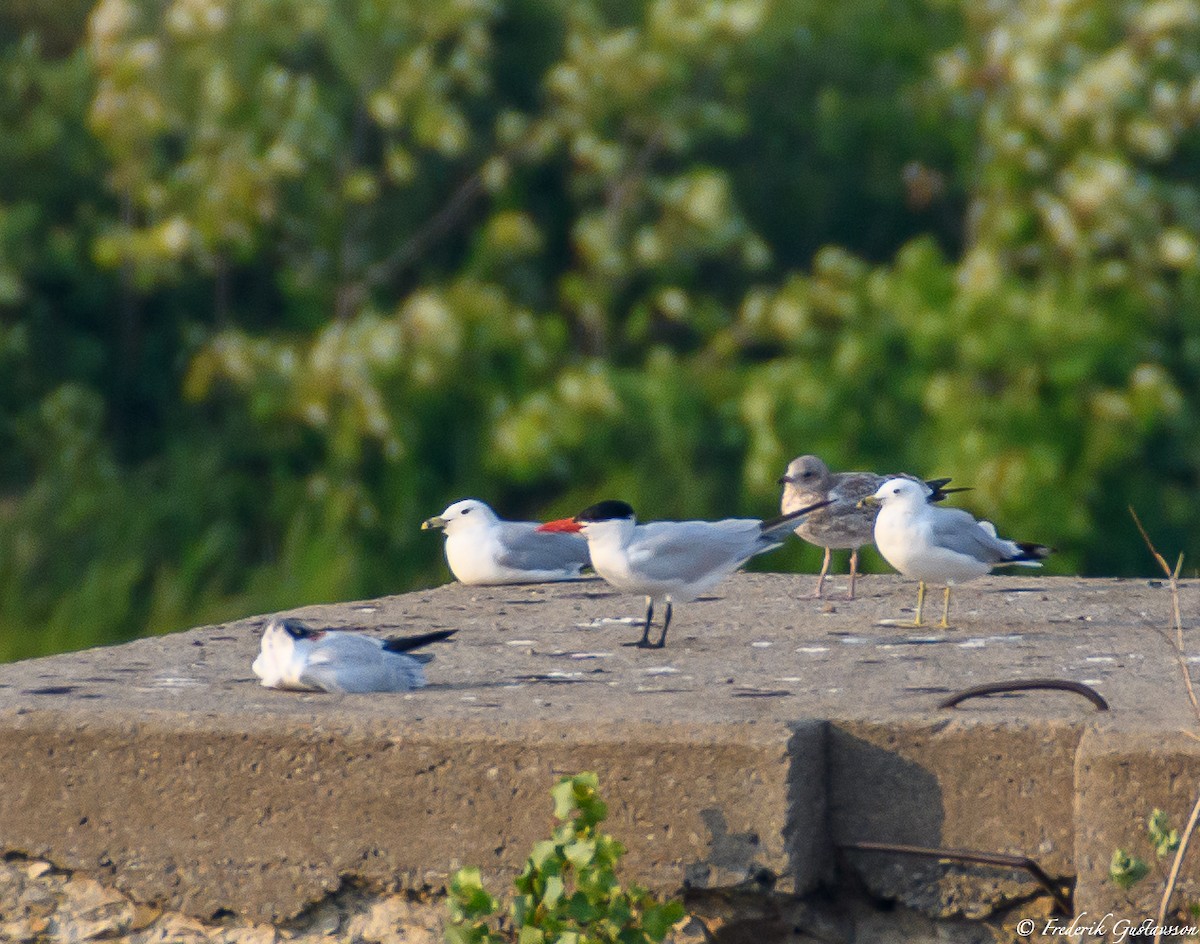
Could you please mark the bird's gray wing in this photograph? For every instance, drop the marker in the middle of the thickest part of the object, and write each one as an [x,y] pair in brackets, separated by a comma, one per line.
[347,663]
[854,486]
[525,548]
[957,530]
[690,550]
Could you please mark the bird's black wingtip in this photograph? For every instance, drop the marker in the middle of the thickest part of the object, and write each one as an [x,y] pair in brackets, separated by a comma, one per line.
[409,643]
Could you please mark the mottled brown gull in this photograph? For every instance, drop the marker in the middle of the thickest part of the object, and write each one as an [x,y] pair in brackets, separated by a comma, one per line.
[843,525]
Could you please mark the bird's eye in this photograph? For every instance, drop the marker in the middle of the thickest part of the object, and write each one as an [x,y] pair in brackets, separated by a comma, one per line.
[466,511]
[895,491]
[807,475]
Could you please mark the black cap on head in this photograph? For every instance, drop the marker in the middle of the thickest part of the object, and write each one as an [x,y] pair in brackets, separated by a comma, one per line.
[298,630]
[608,510]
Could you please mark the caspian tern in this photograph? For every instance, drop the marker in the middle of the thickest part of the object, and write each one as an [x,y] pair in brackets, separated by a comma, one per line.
[671,561]
[940,545]
[484,549]
[297,657]
[844,524]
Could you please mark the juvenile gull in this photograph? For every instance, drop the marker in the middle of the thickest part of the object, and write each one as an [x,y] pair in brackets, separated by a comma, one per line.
[845,524]
[671,561]
[484,549]
[940,545]
[297,657]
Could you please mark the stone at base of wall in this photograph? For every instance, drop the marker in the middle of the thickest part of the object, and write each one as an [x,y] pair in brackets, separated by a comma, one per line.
[40,904]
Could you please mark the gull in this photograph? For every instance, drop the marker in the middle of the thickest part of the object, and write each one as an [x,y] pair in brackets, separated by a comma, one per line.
[482,548]
[671,561]
[844,524]
[940,545]
[295,656]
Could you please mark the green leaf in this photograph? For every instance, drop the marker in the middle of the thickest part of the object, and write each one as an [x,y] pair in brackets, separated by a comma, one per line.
[580,909]
[468,898]
[1126,870]
[1164,838]
[580,852]
[657,920]
[563,793]
[553,892]
[530,935]
[542,852]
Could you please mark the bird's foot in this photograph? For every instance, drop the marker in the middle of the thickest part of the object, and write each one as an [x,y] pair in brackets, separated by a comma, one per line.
[642,644]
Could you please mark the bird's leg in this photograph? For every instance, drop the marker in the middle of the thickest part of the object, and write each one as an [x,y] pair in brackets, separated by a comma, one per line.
[662,640]
[920,603]
[945,623]
[824,571]
[645,640]
[853,570]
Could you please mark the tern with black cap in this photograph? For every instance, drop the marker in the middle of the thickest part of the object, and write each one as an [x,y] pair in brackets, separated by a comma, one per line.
[671,561]
[296,656]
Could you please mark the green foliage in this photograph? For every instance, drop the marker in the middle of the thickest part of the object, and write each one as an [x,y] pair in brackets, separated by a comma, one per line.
[1164,839]
[1127,870]
[568,891]
[281,278]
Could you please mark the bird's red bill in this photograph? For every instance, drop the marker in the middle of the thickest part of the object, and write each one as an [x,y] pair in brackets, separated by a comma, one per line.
[568,525]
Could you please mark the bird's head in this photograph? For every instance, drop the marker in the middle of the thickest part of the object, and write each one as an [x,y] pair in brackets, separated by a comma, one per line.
[598,518]
[805,472]
[468,514]
[897,491]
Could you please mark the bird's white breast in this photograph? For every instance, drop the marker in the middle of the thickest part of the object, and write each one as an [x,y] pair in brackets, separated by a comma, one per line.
[904,538]
[472,556]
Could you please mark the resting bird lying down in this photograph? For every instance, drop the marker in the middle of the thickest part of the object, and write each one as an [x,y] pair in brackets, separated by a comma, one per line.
[482,548]
[297,657]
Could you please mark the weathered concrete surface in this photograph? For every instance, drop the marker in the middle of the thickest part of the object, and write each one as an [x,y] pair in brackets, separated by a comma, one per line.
[163,768]
[1119,782]
[272,815]
[954,783]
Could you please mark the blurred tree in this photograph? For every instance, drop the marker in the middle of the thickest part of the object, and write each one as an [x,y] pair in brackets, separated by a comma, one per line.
[280,278]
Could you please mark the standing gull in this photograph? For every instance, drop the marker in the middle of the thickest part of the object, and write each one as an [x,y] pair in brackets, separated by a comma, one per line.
[940,545]
[845,524]
[484,549]
[297,657]
[671,561]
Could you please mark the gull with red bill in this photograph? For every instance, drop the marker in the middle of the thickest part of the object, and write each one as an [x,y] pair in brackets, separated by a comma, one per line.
[671,561]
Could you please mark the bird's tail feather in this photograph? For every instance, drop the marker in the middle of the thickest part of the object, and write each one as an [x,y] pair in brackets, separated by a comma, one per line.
[409,643]
[785,523]
[1030,555]
[938,490]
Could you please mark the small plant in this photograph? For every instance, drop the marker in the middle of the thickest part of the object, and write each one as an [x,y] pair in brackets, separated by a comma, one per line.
[1127,870]
[568,892]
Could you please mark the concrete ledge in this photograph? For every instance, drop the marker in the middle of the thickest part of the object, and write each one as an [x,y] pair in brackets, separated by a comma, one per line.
[1122,775]
[771,728]
[271,817]
[954,783]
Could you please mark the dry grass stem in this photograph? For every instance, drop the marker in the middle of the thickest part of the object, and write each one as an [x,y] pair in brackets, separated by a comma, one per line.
[1172,576]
